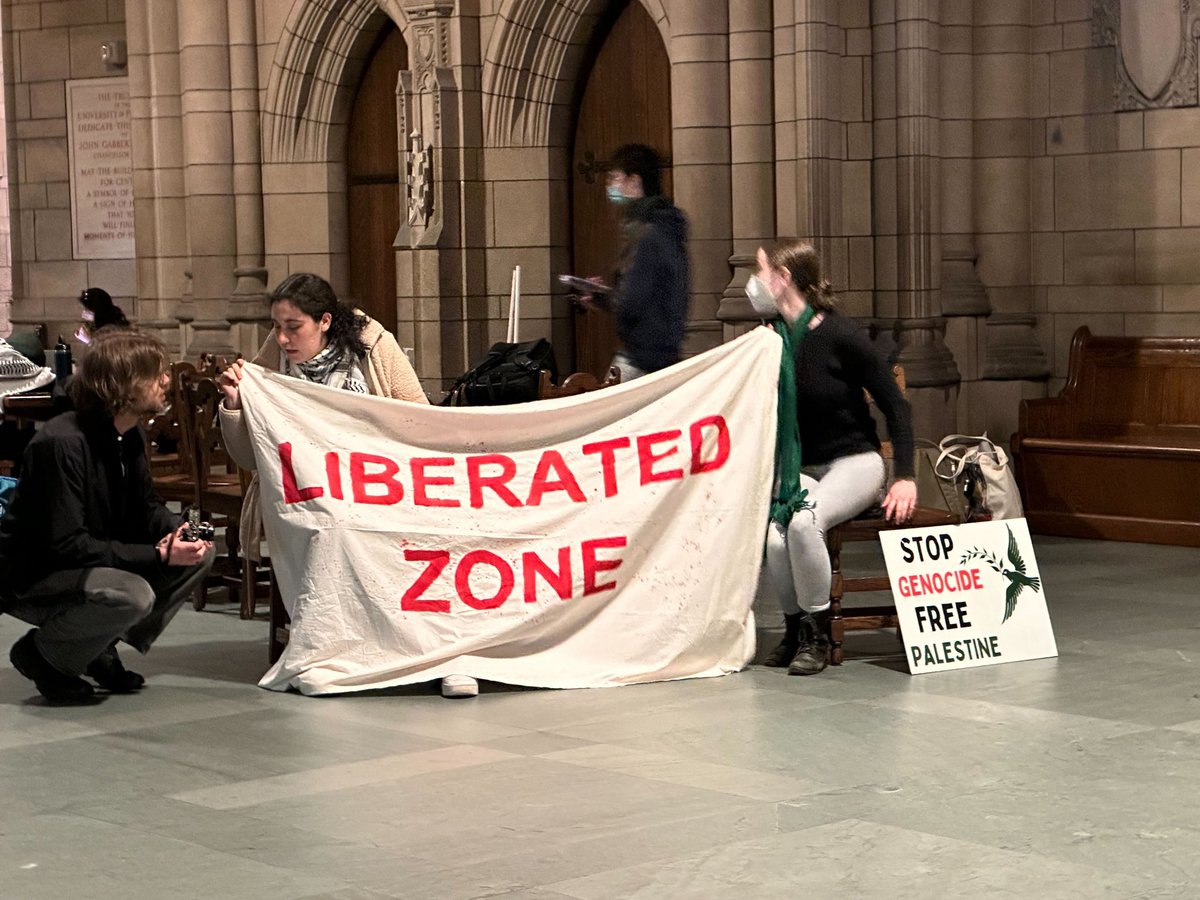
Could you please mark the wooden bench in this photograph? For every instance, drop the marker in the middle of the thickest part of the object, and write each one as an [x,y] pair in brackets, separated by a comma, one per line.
[1116,455]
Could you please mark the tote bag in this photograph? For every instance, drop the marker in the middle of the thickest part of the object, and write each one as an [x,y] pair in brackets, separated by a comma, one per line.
[980,470]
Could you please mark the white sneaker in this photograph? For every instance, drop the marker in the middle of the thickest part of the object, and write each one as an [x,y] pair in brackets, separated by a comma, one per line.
[459,686]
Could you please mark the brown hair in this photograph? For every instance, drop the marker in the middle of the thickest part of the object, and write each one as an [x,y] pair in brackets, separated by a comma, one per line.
[117,365]
[803,264]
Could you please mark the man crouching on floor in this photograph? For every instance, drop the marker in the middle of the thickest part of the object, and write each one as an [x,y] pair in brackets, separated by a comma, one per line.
[88,553]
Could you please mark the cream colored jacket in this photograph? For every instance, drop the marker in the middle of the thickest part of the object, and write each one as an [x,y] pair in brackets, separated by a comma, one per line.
[388,374]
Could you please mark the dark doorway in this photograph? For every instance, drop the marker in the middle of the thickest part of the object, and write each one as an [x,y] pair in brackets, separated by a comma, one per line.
[373,181]
[626,99]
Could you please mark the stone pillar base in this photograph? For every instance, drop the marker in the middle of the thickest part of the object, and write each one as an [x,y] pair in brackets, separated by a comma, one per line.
[995,406]
[211,336]
[962,294]
[1013,349]
[927,360]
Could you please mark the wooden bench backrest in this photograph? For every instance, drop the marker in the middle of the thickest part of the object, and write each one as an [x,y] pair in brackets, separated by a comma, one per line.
[1139,388]
[575,384]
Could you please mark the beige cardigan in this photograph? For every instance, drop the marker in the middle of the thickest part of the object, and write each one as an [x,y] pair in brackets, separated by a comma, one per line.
[388,374]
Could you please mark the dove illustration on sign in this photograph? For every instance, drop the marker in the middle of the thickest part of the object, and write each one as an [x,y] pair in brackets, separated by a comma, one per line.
[1013,570]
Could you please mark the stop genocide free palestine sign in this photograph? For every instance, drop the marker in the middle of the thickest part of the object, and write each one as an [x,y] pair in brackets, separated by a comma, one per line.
[968,595]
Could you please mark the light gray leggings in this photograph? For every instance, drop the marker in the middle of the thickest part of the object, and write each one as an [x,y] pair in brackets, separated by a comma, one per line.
[797,563]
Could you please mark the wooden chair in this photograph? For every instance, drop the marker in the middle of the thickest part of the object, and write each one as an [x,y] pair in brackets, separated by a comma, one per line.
[219,489]
[167,449]
[575,384]
[868,527]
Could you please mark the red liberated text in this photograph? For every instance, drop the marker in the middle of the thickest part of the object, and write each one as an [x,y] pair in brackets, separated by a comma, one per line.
[496,479]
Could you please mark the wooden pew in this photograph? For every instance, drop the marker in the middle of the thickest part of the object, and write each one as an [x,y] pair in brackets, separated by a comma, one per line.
[1116,455]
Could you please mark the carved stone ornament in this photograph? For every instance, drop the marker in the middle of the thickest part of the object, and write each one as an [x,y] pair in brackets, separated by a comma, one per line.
[420,181]
[1156,50]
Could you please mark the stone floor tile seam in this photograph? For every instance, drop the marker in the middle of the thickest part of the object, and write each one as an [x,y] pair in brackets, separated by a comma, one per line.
[1049,717]
[357,774]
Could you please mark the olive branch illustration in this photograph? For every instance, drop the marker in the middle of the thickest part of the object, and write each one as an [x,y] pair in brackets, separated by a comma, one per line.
[1017,579]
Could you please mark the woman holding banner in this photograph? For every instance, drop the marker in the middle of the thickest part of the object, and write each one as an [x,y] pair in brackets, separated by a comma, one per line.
[827,364]
[319,338]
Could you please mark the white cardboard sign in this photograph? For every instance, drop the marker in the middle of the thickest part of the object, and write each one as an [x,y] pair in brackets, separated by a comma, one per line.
[968,595]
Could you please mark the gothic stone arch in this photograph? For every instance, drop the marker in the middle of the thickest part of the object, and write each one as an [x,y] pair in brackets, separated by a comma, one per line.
[318,62]
[532,65]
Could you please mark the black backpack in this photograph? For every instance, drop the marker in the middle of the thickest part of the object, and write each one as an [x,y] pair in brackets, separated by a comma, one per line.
[510,373]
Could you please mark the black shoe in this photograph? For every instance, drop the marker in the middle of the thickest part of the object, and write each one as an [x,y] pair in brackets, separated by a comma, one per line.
[811,658]
[55,686]
[108,672]
[813,654]
[786,651]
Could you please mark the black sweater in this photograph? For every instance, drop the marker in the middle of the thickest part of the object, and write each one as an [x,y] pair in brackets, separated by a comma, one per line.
[650,292]
[834,364]
[85,500]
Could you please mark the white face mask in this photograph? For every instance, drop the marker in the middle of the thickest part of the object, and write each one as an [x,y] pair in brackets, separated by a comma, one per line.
[764,302]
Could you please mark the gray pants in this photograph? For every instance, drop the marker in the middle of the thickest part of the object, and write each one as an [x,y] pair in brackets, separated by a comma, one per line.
[81,612]
[797,563]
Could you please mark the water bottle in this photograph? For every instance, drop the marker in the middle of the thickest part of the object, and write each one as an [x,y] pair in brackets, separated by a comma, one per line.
[62,360]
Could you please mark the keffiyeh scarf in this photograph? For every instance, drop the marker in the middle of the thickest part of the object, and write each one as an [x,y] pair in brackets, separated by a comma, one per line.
[330,367]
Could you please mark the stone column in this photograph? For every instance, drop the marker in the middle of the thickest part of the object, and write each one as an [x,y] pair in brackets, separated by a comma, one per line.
[207,174]
[1009,108]
[247,309]
[923,353]
[752,151]
[700,110]
[908,205]
[807,179]
[963,293]
[434,272]
[152,31]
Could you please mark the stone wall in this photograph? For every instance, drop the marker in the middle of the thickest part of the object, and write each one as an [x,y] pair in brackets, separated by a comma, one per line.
[1116,225]
[974,169]
[45,44]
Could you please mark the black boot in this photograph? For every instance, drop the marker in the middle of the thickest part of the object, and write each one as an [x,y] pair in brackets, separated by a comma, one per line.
[55,686]
[812,656]
[786,651]
[108,672]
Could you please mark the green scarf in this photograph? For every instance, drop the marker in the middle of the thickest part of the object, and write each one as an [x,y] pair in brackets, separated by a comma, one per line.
[789,495]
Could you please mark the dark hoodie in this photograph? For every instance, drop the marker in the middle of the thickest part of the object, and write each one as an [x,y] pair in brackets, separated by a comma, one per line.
[650,292]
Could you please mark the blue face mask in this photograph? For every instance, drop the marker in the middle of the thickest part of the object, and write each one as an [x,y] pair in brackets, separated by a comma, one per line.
[615,195]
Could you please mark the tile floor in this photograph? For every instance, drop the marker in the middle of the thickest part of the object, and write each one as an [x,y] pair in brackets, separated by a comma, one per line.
[1070,778]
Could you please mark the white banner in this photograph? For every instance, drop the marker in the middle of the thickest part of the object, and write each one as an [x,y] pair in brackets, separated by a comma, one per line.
[607,539]
[968,595]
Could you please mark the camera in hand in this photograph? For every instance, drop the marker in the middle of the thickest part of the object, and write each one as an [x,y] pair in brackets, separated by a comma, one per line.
[197,530]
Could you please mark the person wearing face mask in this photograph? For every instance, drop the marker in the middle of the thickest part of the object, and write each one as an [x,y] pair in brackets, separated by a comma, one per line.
[649,295]
[827,463]
[319,338]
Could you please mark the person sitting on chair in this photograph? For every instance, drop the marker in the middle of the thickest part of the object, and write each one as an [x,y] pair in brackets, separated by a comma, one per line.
[99,311]
[88,554]
[828,466]
[319,338]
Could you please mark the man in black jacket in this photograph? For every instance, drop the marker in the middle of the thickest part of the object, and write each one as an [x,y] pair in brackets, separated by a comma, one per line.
[88,554]
[650,291]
